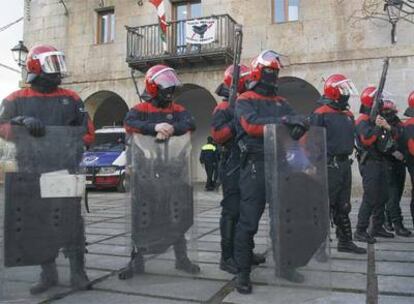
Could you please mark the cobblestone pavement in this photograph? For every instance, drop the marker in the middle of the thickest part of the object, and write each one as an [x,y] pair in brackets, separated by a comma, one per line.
[108,246]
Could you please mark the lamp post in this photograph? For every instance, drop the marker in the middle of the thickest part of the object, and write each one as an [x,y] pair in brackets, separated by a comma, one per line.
[20,52]
[393,8]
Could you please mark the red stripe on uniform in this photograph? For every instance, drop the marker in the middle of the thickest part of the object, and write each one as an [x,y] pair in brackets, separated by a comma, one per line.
[365,141]
[221,136]
[222,106]
[251,129]
[327,109]
[150,108]
[89,137]
[255,96]
[27,93]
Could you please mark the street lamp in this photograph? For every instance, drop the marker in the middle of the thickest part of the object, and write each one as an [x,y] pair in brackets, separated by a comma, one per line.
[393,8]
[20,52]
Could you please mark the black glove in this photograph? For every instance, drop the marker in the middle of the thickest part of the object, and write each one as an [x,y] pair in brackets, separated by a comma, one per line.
[297,131]
[33,125]
[297,124]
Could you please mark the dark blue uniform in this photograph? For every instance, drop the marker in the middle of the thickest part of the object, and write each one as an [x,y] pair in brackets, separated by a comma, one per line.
[142,119]
[408,142]
[223,130]
[253,111]
[340,129]
[374,144]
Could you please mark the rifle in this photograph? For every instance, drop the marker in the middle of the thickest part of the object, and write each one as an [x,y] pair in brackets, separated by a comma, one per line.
[238,41]
[376,107]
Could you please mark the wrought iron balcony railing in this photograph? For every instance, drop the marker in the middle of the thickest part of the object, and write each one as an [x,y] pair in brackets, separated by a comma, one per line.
[145,46]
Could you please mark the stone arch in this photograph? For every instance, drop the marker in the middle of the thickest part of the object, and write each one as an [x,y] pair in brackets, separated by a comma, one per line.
[200,103]
[106,108]
[301,95]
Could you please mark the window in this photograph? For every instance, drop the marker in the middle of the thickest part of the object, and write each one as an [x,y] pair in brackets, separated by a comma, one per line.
[187,10]
[285,10]
[106,26]
[182,11]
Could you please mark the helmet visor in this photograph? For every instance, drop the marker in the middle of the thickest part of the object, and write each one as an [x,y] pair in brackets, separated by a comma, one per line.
[166,78]
[269,59]
[346,87]
[52,62]
[385,94]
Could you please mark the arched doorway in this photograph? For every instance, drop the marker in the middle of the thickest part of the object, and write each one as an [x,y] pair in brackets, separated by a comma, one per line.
[200,103]
[106,108]
[301,95]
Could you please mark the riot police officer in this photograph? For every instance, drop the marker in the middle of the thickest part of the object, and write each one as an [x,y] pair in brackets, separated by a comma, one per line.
[43,104]
[159,116]
[408,141]
[374,141]
[338,121]
[223,130]
[258,106]
[396,172]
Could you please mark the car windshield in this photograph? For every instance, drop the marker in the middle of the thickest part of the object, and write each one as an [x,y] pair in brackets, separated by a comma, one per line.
[109,142]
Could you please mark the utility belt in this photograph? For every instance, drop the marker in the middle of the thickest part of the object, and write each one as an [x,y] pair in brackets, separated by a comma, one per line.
[249,153]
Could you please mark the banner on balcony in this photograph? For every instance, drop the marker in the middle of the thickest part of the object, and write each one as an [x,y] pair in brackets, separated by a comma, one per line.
[201,31]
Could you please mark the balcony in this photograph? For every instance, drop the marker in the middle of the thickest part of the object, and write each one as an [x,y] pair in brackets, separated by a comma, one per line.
[145,47]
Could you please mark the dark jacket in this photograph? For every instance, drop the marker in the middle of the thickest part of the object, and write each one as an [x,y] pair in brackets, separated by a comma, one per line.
[373,139]
[143,117]
[340,129]
[61,107]
[253,111]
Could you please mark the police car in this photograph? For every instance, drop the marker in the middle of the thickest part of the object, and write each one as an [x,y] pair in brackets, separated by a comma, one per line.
[104,162]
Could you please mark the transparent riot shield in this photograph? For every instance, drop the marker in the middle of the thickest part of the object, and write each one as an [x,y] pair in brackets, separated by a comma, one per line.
[298,267]
[40,209]
[160,214]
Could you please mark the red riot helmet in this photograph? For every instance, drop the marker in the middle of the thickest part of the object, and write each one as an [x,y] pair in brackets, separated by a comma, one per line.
[46,59]
[267,59]
[244,76]
[338,85]
[409,112]
[160,77]
[367,96]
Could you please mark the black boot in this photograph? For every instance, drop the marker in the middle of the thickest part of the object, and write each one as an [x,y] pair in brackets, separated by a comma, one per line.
[344,235]
[349,246]
[292,275]
[48,278]
[78,278]
[135,266]
[363,236]
[401,230]
[381,232]
[243,283]
[258,259]
[182,262]
[227,262]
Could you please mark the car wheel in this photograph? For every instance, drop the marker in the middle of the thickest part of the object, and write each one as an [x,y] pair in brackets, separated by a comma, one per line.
[122,186]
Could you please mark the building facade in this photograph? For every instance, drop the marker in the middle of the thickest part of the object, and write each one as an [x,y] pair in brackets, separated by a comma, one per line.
[318,37]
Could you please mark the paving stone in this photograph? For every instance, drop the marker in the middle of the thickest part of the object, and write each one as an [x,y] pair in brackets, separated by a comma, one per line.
[272,295]
[184,289]
[102,297]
